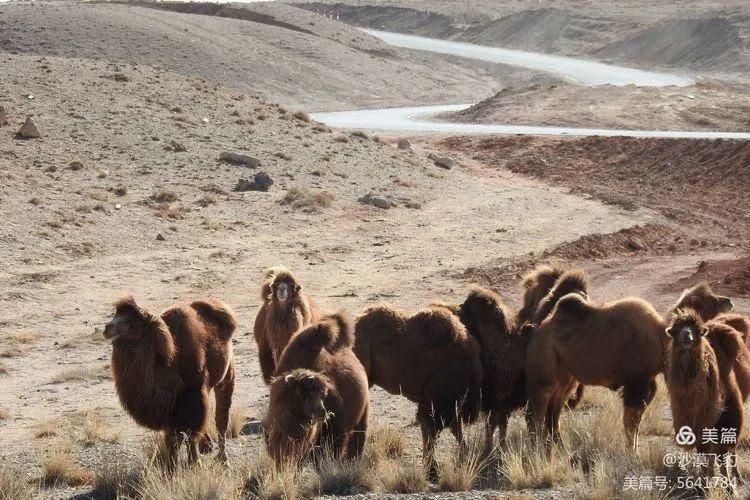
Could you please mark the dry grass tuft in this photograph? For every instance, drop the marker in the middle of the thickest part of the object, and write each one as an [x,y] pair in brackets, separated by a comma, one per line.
[307,200]
[45,428]
[302,116]
[15,485]
[403,477]
[95,430]
[384,442]
[210,481]
[237,418]
[265,481]
[82,374]
[206,200]
[59,468]
[120,477]
[16,344]
[164,196]
[462,471]
[344,477]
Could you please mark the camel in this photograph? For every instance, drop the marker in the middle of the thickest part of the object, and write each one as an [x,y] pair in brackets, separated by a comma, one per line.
[703,390]
[320,394]
[615,345]
[285,310]
[165,366]
[428,358]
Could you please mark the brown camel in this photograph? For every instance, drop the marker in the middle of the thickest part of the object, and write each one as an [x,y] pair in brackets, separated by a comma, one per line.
[285,310]
[429,359]
[165,366]
[703,391]
[615,345]
[318,375]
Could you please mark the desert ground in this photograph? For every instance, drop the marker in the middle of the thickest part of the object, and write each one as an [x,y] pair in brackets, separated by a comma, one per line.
[124,191]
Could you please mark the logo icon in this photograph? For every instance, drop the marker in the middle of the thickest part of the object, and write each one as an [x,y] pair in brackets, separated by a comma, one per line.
[685,436]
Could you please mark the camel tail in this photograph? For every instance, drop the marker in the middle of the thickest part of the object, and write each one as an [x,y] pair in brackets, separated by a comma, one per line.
[217,312]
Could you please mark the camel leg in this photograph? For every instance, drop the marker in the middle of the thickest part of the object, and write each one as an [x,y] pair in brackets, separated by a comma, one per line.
[553,418]
[489,433]
[172,441]
[539,401]
[192,448]
[223,394]
[429,428]
[358,438]
[636,398]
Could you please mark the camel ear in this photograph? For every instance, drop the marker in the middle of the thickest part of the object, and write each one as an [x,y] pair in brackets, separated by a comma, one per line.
[298,288]
[704,331]
[670,331]
[127,304]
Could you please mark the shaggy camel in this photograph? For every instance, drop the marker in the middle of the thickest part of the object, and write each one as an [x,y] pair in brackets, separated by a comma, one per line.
[713,308]
[536,285]
[615,345]
[318,375]
[285,310]
[700,378]
[428,358]
[165,366]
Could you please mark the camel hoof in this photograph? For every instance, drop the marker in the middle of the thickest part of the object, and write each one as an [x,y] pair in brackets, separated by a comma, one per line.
[222,459]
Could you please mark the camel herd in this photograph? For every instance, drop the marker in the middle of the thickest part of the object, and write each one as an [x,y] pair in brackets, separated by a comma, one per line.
[457,362]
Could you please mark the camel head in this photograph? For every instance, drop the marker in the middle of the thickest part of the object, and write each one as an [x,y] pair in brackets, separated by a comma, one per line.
[133,324]
[304,393]
[703,300]
[285,289]
[687,329]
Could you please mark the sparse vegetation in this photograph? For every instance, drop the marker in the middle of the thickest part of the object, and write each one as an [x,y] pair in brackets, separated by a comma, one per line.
[15,485]
[206,200]
[60,468]
[164,196]
[302,116]
[82,374]
[307,200]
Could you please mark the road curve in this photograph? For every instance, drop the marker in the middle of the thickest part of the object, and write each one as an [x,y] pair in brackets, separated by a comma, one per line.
[416,119]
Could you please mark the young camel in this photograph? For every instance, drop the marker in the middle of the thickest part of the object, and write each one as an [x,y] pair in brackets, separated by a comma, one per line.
[165,366]
[615,345]
[320,394]
[285,310]
[429,359]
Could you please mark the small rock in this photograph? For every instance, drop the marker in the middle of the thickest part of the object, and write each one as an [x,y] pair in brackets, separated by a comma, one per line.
[29,130]
[204,120]
[177,147]
[432,156]
[376,201]
[261,182]
[3,117]
[405,144]
[636,244]
[445,162]
[160,237]
[118,206]
[694,242]
[239,159]
[75,165]
[252,427]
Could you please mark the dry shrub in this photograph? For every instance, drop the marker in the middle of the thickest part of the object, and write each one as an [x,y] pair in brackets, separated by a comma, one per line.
[307,200]
[119,477]
[60,468]
[45,428]
[15,485]
[206,200]
[360,134]
[82,374]
[344,477]
[211,481]
[95,429]
[302,116]
[266,481]
[174,211]
[164,196]
[463,470]
[237,418]
[403,477]
[383,442]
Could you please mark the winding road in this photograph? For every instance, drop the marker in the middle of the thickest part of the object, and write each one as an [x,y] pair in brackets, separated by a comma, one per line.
[415,119]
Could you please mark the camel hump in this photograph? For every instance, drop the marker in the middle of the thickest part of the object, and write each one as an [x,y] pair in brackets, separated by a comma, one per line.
[269,276]
[337,331]
[543,274]
[437,327]
[485,305]
[573,281]
[725,338]
[571,307]
[219,314]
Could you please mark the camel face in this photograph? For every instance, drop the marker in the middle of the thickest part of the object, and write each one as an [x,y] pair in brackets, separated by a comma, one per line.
[308,390]
[687,331]
[126,322]
[286,290]
[704,301]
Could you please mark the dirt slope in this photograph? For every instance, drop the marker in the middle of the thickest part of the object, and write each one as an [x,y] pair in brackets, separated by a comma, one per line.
[709,105]
[272,54]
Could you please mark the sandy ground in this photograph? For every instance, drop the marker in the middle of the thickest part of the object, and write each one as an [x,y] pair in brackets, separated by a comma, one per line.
[80,219]
[709,106]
